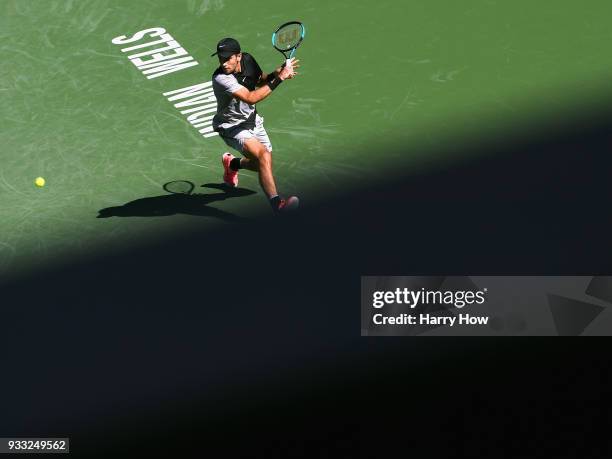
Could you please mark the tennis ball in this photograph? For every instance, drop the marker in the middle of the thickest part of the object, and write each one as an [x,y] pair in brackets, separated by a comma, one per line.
[40,182]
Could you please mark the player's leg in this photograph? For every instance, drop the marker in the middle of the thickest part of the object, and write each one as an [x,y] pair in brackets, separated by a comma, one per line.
[259,159]
[257,151]
[246,163]
[231,164]
[260,134]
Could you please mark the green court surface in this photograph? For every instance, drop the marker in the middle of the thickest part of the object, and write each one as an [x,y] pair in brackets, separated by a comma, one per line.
[374,75]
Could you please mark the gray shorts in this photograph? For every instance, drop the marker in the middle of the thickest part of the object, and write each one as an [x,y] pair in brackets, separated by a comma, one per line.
[236,137]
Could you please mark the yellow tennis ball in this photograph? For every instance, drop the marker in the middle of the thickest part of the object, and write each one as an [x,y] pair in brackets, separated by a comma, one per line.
[40,182]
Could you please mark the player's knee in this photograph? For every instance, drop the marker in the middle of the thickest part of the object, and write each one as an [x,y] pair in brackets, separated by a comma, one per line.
[261,154]
[265,157]
[256,150]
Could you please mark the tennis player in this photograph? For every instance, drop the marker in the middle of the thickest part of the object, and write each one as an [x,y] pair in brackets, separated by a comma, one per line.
[239,84]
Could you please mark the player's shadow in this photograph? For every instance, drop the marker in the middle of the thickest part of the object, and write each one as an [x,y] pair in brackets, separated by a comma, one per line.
[179,203]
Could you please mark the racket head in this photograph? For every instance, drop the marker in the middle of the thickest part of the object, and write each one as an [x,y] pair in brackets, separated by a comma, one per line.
[288,37]
[179,187]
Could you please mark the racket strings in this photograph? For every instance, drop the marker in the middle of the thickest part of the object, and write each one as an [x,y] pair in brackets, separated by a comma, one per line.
[288,37]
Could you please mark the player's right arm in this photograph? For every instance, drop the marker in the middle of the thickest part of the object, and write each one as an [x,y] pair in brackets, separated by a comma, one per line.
[259,94]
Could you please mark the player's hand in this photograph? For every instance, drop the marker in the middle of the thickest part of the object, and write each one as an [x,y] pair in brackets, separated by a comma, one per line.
[294,63]
[288,70]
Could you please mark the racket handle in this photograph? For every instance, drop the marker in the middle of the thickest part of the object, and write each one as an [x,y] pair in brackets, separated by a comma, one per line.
[288,62]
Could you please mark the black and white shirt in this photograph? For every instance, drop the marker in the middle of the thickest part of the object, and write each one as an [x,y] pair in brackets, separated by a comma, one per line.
[231,111]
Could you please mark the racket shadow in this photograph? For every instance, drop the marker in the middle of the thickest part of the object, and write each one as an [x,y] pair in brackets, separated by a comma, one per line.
[179,203]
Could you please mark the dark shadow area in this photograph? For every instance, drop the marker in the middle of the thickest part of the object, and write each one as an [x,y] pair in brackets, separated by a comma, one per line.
[256,350]
[179,203]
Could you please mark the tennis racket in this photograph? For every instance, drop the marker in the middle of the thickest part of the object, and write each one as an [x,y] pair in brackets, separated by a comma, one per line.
[287,38]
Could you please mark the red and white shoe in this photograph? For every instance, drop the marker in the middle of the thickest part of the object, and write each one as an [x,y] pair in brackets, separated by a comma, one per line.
[230,177]
[288,205]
